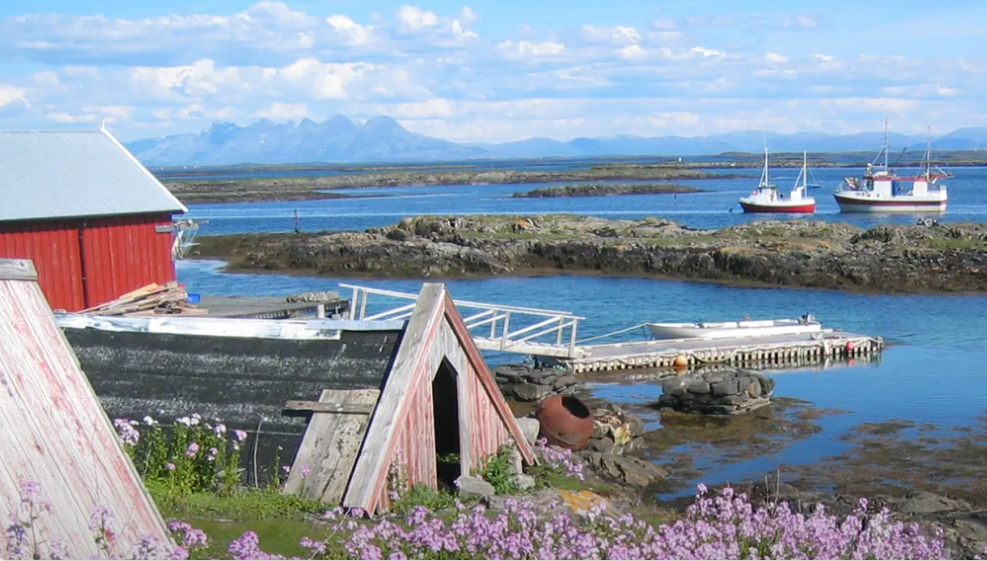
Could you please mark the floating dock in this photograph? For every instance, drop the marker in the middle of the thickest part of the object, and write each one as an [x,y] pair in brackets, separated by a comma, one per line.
[551,337]
[748,351]
[265,307]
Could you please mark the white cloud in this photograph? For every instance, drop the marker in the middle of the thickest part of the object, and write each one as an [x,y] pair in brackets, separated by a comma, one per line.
[467,15]
[632,52]
[801,22]
[775,58]
[178,73]
[10,94]
[621,35]
[356,34]
[278,111]
[710,21]
[708,52]
[522,49]
[415,19]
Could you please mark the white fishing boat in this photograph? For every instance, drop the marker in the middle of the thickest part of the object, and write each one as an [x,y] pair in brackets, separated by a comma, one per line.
[882,190]
[766,197]
[734,329]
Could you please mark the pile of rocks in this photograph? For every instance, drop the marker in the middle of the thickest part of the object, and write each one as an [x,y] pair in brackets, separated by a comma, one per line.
[615,434]
[719,392]
[314,297]
[526,383]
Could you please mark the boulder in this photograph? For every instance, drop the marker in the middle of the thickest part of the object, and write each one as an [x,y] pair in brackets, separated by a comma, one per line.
[524,482]
[625,469]
[473,487]
[531,392]
[529,428]
[717,392]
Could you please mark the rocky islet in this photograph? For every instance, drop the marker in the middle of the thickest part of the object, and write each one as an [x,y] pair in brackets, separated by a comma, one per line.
[929,257]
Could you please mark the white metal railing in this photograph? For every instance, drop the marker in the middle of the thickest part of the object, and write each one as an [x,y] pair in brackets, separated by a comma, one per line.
[561,327]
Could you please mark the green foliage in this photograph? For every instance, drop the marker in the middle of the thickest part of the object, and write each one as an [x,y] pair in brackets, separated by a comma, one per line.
[496,471]
[193,456]
[421,495]
[244,504]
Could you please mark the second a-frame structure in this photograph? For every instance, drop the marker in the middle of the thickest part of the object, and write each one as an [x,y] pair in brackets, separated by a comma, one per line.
[437,415]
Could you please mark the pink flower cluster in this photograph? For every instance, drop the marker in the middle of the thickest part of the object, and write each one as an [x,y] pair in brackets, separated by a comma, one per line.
[559,459]
[726,526]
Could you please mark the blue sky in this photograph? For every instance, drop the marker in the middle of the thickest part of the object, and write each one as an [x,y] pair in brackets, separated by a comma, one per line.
[493,71]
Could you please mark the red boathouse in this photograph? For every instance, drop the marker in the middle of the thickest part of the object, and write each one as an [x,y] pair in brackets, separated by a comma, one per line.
[95,222]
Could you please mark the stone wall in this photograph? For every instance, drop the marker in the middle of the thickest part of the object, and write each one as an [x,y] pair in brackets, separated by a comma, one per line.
[721,392]
[524,383]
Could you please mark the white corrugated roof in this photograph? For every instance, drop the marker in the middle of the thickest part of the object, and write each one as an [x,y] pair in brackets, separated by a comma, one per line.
[73,174]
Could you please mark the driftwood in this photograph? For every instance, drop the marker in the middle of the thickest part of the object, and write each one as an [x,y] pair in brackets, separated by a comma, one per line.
[150,300]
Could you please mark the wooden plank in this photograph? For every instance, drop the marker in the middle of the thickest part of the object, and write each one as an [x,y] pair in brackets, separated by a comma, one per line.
[17,269]
[329,448]
[326,406]
[369,472]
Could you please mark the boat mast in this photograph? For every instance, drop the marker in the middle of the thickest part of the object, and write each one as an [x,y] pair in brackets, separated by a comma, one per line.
[928,154]
[805,170]
[887,146]
[764,174]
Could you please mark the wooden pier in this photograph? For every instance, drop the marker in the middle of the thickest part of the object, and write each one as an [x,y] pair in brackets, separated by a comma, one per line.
[550,336]
[749,351]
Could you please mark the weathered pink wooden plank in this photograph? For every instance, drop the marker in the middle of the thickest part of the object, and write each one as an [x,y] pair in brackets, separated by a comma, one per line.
[56,433]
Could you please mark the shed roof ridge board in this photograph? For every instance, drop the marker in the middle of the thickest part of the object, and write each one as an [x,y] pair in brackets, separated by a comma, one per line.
[133,159]
[227,327]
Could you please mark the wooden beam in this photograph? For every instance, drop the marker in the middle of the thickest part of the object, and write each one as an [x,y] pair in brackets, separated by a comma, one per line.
[342,408]
[370,473]
[17,269]
[329,448]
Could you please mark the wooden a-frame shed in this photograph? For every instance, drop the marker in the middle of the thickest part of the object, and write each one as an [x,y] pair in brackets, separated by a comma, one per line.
[438,401]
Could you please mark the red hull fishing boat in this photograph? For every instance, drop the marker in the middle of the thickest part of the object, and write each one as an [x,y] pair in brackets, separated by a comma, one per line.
[767,199]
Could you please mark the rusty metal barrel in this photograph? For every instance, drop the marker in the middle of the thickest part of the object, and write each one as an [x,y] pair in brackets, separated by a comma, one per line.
[565,421]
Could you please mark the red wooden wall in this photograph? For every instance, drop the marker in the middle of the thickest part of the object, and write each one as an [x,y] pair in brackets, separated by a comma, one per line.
[120,253]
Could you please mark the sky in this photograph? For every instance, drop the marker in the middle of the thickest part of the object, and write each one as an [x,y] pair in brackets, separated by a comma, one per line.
[495,71]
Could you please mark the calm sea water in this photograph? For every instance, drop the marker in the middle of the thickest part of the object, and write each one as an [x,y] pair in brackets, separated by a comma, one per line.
[713,209]
[934,373]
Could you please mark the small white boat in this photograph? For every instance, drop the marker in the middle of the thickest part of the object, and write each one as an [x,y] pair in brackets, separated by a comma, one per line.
[735,329]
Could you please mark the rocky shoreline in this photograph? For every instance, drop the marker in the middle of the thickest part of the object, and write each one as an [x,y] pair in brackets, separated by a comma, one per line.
[605,190]
[309,188]
[925,258]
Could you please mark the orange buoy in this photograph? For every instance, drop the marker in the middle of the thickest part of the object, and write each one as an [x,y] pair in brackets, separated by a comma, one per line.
[850,346]
[680,361]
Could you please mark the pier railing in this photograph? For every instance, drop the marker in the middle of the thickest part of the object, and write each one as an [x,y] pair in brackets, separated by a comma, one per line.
[494,327]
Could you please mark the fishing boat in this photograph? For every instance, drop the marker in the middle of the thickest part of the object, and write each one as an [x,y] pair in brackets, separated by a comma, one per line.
[766,197]
[734,329]
[882,190]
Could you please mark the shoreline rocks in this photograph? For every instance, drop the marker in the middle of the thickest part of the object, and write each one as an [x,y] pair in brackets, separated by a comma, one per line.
[721,392]
[528,384]
[605,190]
[928,258]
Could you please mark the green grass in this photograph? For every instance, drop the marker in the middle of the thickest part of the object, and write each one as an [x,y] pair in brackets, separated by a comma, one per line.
[956,243]
[276,536]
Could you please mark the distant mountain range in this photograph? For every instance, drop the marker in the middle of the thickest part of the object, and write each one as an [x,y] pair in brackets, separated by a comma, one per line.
[382,139]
